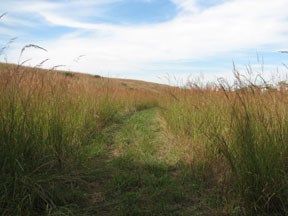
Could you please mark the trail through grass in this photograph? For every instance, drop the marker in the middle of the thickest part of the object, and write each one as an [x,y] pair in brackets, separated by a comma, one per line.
[138,174]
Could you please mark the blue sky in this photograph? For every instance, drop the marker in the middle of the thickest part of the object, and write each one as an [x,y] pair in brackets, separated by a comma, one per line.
[148,39]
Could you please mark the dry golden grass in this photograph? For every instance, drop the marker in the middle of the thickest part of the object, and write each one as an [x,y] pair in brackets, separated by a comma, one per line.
[46,120]
[233,140]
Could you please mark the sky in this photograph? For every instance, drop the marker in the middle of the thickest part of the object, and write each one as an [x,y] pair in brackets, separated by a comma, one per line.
[148,40]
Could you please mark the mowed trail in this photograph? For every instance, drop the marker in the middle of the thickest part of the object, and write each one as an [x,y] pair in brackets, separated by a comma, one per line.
[138,172]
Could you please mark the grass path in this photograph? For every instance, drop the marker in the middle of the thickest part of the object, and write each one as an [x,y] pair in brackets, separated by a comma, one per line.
[138,174]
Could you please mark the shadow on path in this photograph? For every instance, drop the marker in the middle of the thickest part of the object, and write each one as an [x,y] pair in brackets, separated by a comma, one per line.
[131,179]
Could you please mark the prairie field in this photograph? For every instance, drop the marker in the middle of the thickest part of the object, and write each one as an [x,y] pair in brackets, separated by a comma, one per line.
[77,144]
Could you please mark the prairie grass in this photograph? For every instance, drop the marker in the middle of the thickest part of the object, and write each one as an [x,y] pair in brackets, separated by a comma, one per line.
[227,154]
[240,133]
[46,120]
[189,114]
[255,146]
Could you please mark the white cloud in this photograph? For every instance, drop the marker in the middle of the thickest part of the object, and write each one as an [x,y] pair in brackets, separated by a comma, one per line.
[195,33]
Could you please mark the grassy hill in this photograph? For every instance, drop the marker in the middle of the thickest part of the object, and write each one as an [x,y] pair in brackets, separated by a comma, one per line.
[78,144]
[96,79]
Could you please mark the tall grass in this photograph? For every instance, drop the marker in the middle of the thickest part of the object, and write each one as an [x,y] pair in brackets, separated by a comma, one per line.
[241,132]
[45,120]
[256,146]
[189,111]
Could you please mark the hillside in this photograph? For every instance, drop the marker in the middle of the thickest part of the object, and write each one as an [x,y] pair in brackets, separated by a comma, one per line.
[98,80]
[77,144]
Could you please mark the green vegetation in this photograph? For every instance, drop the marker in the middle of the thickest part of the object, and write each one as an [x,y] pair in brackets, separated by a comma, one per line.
[242,135]
[43,126]
[139,176]
[256,147]
[75,145]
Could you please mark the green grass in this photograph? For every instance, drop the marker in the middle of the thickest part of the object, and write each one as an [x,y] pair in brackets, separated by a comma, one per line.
[257,151]
[42,133]
[242,136]
[136,181]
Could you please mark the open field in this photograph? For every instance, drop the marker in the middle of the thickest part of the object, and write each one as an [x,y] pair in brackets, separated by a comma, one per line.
[74,144]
